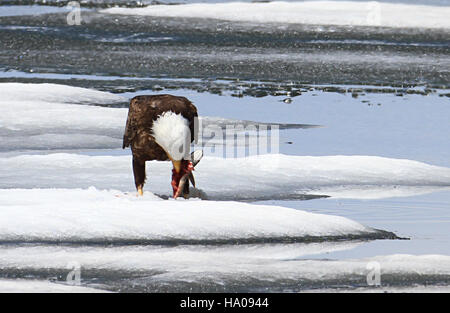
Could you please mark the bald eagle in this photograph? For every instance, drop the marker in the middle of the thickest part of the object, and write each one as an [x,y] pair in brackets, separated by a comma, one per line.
[161,127]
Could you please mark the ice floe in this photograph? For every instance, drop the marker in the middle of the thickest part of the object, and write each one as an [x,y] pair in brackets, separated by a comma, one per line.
[20,10]
[231,268]
[76,215]
[271,176]
[60,117]
[360,13]
[41,286]
[415,288]
[12,92]
[52,116]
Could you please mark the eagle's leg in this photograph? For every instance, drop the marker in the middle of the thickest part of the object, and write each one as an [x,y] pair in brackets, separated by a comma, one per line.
[139,175]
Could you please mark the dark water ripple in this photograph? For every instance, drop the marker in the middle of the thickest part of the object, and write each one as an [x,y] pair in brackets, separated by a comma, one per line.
[208,49]
[122,280]
[219,86]
[110,242]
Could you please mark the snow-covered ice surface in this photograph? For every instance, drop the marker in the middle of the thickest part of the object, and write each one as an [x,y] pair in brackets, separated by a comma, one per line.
[19,10]
[92,216]
[46,116]
[54,116]
[42,286]
[413,289]
[226,268]
[258,178]
[359,13]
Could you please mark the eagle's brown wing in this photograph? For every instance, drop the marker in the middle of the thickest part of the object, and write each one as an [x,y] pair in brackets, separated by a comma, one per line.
[130,129]
[140,117]
[190,113]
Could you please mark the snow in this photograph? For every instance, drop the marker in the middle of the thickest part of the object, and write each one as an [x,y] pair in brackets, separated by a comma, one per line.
[271,176]
[361,13]
[12,92]
[53,116]
[19,10]
[45,116]
[141,257]
[381,289]
[79,215]
[41,286]
[276,264]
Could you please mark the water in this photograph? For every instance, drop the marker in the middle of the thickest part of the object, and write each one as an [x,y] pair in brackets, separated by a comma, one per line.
[373,91]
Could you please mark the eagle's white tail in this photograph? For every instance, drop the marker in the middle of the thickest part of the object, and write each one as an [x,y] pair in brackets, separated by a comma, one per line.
[172,133]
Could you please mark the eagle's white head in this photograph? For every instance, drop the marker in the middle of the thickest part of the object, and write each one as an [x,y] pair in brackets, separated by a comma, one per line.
[171,131]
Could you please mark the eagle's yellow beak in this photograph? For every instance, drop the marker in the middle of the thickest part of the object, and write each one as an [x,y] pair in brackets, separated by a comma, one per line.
[176,165]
